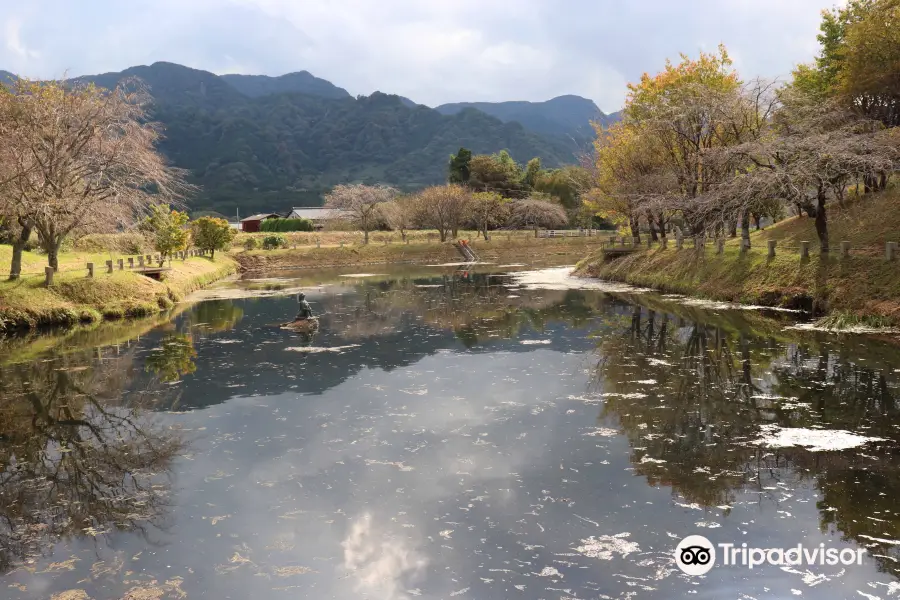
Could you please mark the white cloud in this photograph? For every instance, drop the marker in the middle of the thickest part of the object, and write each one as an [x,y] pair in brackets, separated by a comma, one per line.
[14,40]
[433,52]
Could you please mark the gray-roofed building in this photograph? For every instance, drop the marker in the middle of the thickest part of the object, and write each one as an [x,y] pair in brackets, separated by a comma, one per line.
[318,216]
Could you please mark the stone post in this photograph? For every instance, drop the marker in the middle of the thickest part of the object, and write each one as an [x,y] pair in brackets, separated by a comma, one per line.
[109,266]
[121,262]
[720,246]
[141,261]
[130,262]
[48,276]
[772,244]
[890,250]
[845,249]
[804,250]
[90,267]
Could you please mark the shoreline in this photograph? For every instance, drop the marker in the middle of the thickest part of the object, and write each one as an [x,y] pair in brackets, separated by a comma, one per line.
[860,289]
[518,249]
[28,305]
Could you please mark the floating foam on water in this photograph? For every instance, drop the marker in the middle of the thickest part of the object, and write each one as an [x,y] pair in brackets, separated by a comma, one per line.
[317,349]
[534,342]
[860,329]
[605,546]
[363,275]
[814,440]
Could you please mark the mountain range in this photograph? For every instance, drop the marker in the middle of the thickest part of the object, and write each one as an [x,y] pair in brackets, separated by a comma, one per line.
[256,143]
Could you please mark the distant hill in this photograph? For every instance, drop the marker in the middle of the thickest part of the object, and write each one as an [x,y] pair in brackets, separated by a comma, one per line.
[263,143]
[171,83]
[7,77]
[302,82]
[283,148]
[563,116]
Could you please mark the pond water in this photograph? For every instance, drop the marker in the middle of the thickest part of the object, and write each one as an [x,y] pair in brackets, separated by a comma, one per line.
[445,434]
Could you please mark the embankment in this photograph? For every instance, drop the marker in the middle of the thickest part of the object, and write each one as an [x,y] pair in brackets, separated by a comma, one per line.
[518,249]
[863,284]
[74,298]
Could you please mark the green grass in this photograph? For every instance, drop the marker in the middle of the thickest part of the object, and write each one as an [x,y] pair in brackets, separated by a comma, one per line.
[864,284]
[74,298]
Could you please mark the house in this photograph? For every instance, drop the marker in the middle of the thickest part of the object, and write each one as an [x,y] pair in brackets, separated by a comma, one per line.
[251,224]
[318,216]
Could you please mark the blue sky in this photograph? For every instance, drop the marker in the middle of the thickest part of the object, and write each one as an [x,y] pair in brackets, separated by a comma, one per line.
[429,50]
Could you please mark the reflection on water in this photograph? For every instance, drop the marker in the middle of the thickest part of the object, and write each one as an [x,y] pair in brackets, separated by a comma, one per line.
[444,434]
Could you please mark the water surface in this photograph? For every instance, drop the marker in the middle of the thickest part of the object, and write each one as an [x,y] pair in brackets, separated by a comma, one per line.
[445,434]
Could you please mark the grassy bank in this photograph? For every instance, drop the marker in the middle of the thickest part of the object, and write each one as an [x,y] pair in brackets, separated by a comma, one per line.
[74,298]
[515,248]
[864,284]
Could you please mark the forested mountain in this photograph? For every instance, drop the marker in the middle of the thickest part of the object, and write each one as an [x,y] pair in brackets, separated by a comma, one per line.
[564,116]
[302,82]
[255,144]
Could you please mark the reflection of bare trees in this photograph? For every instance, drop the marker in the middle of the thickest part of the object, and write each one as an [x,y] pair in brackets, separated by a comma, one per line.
[72,462]
[716,385]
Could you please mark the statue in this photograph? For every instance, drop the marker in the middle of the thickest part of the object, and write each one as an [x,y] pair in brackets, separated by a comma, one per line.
[304,322]
[305,308]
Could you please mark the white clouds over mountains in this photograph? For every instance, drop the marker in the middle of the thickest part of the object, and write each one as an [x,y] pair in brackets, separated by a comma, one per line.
[433,52]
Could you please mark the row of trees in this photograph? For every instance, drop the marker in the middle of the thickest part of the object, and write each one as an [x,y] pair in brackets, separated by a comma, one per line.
[700,146]
[445,208]
[171,231]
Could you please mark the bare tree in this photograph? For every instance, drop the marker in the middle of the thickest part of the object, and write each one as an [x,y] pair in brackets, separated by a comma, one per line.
[81,159]
[444,207]
[362,204]
[812,150]
[536,213]
[400,214]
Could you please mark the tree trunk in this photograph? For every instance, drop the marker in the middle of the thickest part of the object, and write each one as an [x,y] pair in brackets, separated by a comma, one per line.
[732,229]
[15,268]
[484,233]
[822,224]
[535,231]
[745,229]
[443,233]
[366,236]
[661,226]
[212,254]
[635,231]
[53,254]
[757,219]
[653,235]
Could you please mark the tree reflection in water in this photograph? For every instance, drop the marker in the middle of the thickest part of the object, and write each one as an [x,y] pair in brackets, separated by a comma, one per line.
[75,461]
[690,396]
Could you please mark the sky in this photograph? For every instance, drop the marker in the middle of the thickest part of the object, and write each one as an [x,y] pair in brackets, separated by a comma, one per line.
[431,51]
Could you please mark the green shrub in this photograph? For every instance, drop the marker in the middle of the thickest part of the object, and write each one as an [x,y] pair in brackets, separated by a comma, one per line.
[251,243]
[283,225]
[276,240]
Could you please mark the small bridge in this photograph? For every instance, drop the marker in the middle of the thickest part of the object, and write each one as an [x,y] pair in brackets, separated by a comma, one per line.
[152,272]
